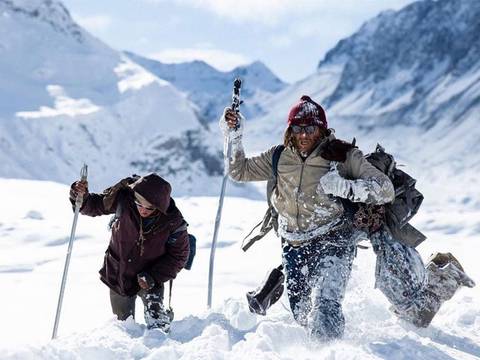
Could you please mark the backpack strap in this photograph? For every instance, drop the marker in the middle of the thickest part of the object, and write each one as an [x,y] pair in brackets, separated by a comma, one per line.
[275,158]
[266,224]
[272,182]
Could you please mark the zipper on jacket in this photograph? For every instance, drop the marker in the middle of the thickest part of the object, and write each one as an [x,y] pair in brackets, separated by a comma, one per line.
[298,192]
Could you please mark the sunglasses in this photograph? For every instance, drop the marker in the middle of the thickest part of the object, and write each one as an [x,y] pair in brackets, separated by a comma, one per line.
[309,129]
[143,206]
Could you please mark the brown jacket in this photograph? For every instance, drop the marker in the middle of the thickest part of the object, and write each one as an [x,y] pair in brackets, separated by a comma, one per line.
[162,257]
[304,210]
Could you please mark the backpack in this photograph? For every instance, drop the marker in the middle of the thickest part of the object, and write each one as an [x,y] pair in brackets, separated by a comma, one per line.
[192,240]
[407,199]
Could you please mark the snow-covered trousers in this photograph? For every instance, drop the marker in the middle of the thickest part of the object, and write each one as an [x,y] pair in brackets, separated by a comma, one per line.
[316,277]
[400,273]
[154,311]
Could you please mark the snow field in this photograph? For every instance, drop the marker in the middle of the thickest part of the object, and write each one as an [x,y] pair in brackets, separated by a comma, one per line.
[35,224]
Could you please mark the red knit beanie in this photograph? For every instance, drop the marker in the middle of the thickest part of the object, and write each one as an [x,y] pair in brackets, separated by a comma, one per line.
[307,112]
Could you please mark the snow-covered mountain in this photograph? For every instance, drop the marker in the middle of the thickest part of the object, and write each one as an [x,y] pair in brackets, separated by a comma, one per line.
[410,80]
[211,89]
[67,98]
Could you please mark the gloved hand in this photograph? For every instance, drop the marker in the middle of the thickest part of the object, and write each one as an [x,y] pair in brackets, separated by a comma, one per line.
[232,124]
[354,190]
[145,280]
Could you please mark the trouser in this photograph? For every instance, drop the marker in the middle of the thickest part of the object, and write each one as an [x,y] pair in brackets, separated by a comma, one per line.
[316,277]
[154,312]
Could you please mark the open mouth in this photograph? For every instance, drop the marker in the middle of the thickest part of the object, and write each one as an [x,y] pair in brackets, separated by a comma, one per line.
[305,143]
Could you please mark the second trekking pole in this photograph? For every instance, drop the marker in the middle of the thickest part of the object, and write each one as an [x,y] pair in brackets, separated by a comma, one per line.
[237,84]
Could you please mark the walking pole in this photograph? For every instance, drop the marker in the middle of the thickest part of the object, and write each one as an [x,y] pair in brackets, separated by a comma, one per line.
[78,204]
[235,106]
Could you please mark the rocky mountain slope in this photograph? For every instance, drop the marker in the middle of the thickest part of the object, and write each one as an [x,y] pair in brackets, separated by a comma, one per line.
[410,80]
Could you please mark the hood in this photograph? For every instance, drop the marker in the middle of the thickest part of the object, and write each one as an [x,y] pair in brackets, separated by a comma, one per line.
[155,190]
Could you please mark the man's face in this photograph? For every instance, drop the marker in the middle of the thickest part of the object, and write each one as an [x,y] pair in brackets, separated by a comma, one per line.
[306,138]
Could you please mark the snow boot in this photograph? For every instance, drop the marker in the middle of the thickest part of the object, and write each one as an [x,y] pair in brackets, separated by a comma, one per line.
[156,315]
[445,276]
[160,319]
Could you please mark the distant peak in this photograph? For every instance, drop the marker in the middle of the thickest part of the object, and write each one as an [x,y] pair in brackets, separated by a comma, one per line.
[256,65]
[49,11]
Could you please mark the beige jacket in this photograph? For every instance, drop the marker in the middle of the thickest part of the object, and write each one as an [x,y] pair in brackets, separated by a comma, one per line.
[305,211]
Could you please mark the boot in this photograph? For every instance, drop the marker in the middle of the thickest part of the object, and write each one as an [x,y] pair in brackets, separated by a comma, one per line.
[159,319]
[266,295]
[445,276]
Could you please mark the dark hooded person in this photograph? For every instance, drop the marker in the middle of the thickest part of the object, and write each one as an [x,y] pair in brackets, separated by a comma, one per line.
[148,245]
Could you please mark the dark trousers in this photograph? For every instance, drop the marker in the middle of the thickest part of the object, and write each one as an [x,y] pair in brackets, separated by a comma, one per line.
[154,311]
[316,277]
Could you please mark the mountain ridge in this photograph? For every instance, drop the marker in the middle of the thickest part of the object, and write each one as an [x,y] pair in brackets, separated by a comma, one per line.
[210,89]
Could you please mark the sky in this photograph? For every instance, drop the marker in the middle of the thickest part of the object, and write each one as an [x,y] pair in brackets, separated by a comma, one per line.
[289,36]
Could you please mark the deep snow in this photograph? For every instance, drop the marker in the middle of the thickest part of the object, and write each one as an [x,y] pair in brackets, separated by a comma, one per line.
[35,223]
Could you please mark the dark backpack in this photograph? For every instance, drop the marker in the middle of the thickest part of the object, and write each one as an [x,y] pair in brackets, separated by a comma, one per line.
[192,242]
[407,198]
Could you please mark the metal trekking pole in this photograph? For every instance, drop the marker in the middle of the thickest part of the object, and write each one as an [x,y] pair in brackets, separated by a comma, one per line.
[78,204]
[235,106]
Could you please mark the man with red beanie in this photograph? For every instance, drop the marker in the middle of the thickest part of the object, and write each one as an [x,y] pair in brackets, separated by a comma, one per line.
[149,243]
[317,241]
[317,180]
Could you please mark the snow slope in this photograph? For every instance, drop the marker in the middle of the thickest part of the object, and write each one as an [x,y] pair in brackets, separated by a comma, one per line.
[34,232]
[67,98]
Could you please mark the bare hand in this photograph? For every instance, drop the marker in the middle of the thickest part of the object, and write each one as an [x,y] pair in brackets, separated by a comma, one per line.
[145,281]
[80,188]
[231,117]
[143,284]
